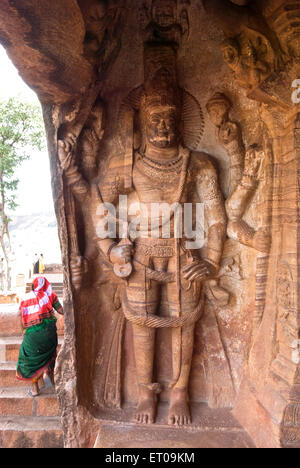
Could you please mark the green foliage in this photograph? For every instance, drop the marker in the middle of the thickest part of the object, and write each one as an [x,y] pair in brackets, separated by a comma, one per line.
[21,131]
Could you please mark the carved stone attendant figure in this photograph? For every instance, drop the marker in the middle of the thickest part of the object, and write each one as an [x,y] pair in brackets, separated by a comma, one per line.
[229,135]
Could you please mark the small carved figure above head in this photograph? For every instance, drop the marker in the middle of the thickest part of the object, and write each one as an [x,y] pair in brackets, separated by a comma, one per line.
[103,33]
[165,20]
[95,16]
[164,12]
[95,26]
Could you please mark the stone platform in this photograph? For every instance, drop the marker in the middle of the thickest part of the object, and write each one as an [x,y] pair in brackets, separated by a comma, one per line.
[212,428]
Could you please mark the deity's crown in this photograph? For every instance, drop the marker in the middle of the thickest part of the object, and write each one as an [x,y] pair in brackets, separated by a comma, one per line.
[160,87]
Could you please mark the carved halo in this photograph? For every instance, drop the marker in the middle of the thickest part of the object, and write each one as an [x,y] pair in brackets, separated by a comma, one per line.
[192,116]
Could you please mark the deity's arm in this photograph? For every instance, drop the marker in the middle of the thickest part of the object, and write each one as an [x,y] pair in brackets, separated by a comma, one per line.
[78,184]
[214,212]
[75,180]
[230,137]
[236,206]
[239,201]
[105,199]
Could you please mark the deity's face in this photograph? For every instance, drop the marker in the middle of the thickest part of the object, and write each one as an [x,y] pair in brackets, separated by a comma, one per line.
[217,113]
[161,127]
[164,13]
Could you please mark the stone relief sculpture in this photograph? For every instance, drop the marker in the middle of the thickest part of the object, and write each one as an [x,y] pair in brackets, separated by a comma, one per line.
[251,58]
[287,29]
[229,135]
[244,175]
[152,262]
[252,50]
[166,20]
[102,41]
[133,302]
[88,144]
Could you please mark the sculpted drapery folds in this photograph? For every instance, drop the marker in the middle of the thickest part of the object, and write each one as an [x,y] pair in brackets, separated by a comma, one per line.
[162,171]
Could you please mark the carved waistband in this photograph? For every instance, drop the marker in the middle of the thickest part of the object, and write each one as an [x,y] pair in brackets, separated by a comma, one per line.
[150,247]
[155,251]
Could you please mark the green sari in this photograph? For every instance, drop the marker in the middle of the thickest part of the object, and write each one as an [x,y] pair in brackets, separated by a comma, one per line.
[38,351]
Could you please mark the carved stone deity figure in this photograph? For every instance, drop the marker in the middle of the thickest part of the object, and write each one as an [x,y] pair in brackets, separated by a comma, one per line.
[164,275]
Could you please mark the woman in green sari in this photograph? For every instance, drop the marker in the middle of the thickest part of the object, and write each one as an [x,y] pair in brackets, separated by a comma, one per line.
[38,350]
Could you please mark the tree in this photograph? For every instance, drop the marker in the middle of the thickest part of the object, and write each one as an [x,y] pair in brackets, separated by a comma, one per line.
[21,131]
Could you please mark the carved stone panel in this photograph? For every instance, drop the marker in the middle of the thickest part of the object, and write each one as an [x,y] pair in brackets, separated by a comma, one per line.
[174,148]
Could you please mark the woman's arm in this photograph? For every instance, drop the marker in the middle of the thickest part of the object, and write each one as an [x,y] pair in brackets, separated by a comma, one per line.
[58,308]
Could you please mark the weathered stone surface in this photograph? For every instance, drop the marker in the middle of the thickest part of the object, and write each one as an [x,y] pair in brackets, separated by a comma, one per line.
[33,439]
[45,41]
[215,429]
[207,87]
[30,432]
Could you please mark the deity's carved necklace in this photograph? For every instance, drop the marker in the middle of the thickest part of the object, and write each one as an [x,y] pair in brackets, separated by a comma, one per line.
[165,171]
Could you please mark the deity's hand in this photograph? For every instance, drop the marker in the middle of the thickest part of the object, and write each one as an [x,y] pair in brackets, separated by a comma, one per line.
[79,267]
[65,155]
[199,270]
[262,241]
[121,254]
[70,141]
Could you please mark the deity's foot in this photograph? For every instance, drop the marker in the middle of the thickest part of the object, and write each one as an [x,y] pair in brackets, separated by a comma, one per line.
[179,413]
[146,409]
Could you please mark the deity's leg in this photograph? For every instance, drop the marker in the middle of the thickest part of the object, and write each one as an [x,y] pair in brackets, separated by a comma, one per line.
[143,297]
[144,343]
[179,413]
[182,345]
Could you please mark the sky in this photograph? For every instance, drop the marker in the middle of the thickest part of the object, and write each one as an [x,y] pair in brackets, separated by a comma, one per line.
[34,197]
[34,192]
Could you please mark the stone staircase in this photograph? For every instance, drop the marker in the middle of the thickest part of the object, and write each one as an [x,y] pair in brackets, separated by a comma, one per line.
[58,287]
[25,422]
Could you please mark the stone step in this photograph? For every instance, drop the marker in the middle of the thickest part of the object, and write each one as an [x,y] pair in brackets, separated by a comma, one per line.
[8,375]
[10,323]
[30,432]
[9,347]
[15,401]
[57,287]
